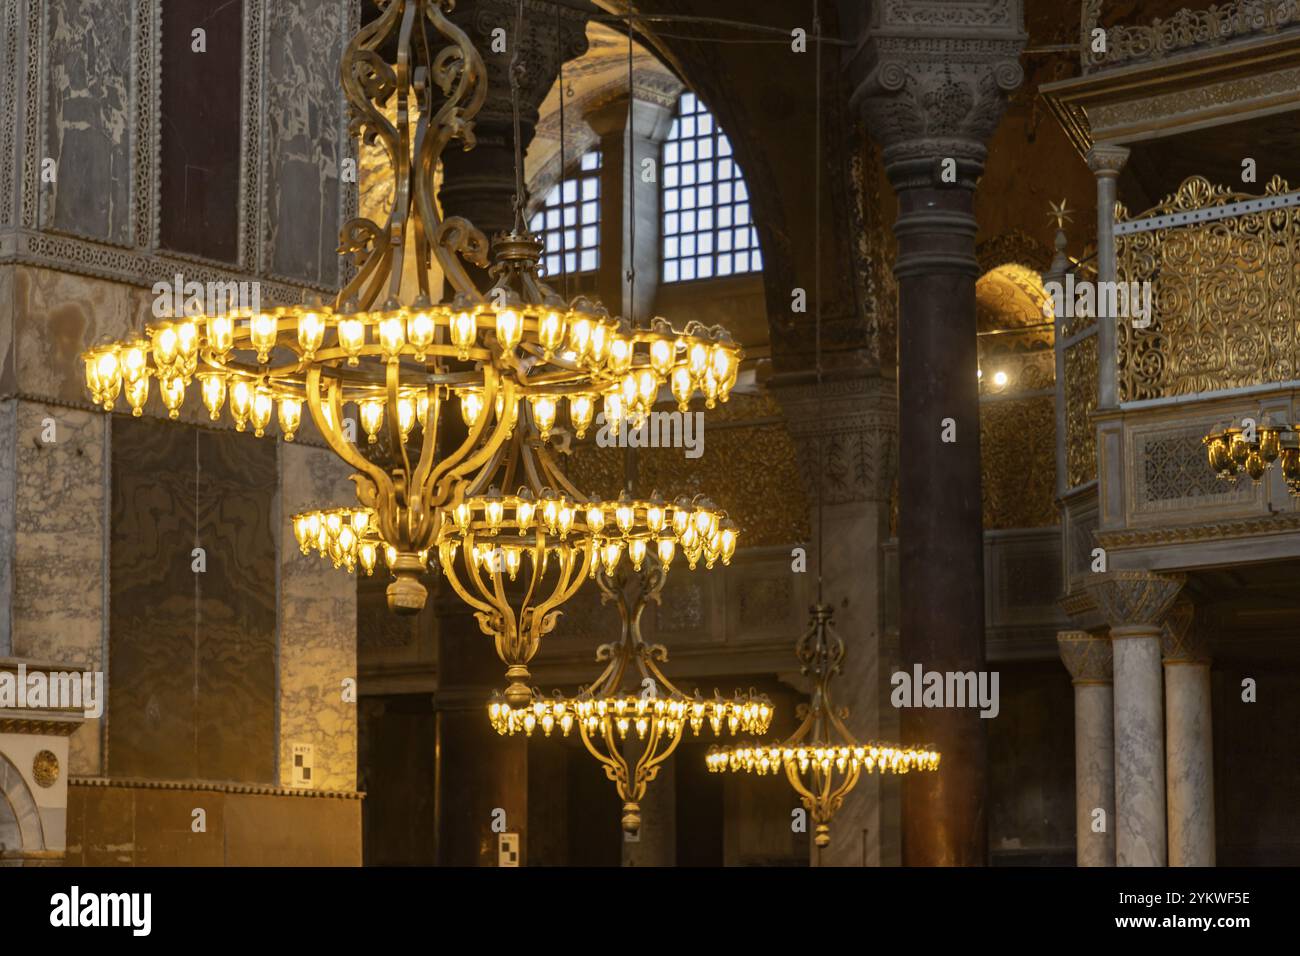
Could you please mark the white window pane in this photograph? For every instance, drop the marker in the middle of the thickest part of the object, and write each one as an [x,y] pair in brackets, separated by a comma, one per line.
[705,219]
[688,198]
[724,146]
[688,174]
[688,152]
[756,260]
[589,237]
[724,265]
[590,212]
[724,217]
[571,262]
[742,262]
[688,127]
[704,149]
[672,224]
[742,212]
[588,260]
[726,169]
[704,267]
[570,215]
[724,193]
[570,191]
[705,242]
[670,199]
[670,271]
[552,265]
[670,247]
[590,188]
[688,222]
[741,238]
[553,197]
[670,149]
[705,123]
[705,196]
[724,241]
[538,222]
[688,245]
[704,172]
[742,193]
[688,268]
[671,176]
[591,161]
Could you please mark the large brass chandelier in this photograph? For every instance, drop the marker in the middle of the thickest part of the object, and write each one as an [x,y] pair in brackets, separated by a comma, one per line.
[632,717]
[514,359]
[821,759]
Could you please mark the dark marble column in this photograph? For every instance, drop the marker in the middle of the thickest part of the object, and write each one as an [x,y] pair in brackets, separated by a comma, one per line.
[932,86]
[479,184]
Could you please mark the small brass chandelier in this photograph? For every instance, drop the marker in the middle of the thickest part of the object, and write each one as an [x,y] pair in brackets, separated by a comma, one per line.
[821,759]
[1251,449]
[632,717]
[514,358]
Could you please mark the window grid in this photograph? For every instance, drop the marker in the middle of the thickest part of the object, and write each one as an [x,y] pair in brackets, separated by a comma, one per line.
[569,221]
[708,228]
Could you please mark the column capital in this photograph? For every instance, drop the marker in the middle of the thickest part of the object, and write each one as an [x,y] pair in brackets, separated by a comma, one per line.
[1107,159]
[931,80]
[1134,601]
[1184,635]
[1086,656]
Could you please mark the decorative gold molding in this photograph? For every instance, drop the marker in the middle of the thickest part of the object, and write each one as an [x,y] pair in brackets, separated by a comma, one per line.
[1284,523]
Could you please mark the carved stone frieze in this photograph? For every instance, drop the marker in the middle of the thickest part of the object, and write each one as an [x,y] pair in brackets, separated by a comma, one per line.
[848,434]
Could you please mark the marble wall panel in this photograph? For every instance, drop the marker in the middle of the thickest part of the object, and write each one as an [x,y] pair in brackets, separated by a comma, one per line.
[57,608]
[318,628]
[57,315]
[192,656]
[304,144]
[88,119]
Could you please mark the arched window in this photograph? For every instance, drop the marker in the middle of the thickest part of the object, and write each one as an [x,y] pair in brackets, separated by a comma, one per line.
[569,221]
[708,230]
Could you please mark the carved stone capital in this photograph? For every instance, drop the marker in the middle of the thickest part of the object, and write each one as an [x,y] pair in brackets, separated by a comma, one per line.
[1086,656]
[1106,160]
[1184,637]
[551,32]
[847,429]
[932,80]
[1135,602]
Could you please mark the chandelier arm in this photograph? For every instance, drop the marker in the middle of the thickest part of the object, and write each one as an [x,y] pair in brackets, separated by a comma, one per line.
[402,169]
[426,529]
[456,465]
[557,476]
[614,766]
[455,236]
[331,429]
[796,781]
[449,572]
[509,640]
[355,236]
[408,493]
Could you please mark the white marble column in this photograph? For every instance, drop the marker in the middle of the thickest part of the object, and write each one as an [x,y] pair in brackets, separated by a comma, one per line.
[1088,659]
[1134,602]
[1189,740]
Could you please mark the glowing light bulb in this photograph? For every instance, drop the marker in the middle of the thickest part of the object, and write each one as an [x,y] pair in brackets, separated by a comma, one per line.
[311,332]
[221,333]
[290,416]
[550,332]
[471,407]
[392,336]
[260,415]
[172,390]
[419,332]
[510,328]
[544,414]
[262,330]
[241,403]
[165,345]
[405,416]
[212,385]
[580,336]
[661,356]
[372,419]
[999,379]
[352,338]
[464,329]
[682,386]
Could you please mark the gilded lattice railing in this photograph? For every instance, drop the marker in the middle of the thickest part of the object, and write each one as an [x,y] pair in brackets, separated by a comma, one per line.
[1224,294]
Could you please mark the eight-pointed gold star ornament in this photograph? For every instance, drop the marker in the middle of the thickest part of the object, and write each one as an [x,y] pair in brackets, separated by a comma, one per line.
[1061,213]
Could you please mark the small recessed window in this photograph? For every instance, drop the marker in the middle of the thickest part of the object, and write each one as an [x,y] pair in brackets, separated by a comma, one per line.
[705,201]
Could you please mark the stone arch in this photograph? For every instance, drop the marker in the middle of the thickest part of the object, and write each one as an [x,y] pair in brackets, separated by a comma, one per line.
[20,818]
